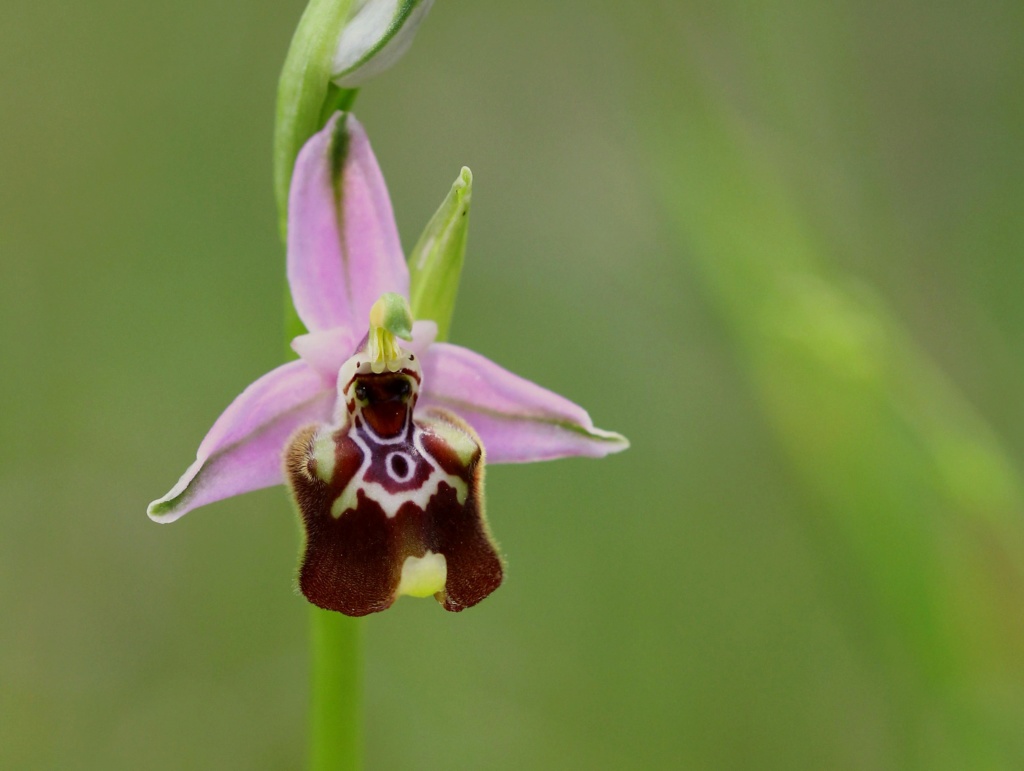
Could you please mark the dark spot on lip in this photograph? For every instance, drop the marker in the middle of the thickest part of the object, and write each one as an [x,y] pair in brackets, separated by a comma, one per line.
[400,465]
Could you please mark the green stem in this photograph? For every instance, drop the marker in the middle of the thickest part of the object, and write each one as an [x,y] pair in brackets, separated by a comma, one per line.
[305,99]
[336,686]
[335,668]
[337,99]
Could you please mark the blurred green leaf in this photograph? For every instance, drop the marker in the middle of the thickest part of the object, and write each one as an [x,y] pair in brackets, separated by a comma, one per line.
[921,526]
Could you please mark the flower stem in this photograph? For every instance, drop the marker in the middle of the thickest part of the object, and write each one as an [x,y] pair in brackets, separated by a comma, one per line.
[336,686]
[335,668]
[306,98]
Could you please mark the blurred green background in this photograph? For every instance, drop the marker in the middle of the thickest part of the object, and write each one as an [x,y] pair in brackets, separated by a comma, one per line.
[779,247]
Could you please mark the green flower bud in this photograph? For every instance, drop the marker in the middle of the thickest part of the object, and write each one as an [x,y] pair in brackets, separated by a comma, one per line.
[376,35]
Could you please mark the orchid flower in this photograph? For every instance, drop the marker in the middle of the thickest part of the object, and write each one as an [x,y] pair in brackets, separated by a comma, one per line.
[380,431]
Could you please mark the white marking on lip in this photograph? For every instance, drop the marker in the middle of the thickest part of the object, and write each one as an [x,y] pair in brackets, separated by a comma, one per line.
[410,466]
[391,502]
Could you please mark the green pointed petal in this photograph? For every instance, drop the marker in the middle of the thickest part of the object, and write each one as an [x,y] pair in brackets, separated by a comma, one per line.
[435,263]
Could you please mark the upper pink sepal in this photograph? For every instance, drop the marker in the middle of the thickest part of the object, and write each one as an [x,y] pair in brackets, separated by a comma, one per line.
[242,451]
[343,245]
[518,421]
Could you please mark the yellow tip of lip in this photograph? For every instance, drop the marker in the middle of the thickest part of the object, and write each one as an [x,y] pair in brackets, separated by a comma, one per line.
[423,576]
